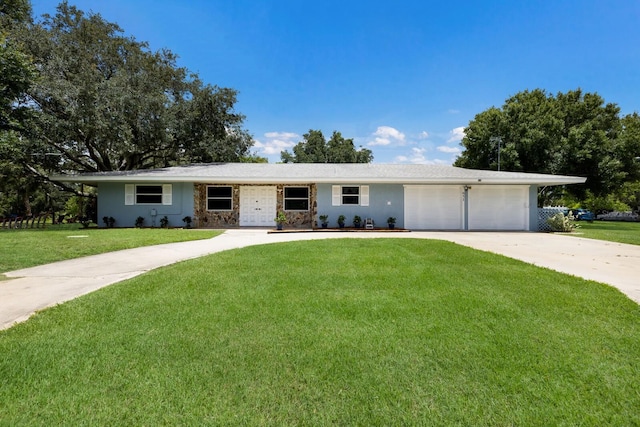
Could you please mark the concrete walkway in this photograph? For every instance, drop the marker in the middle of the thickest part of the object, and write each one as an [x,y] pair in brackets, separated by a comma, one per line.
[39,287]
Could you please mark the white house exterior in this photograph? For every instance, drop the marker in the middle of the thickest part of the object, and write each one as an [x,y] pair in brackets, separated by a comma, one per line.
[420,197]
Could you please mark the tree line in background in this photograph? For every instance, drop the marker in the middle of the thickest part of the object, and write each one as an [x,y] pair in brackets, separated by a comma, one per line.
[316,149]
[571,133]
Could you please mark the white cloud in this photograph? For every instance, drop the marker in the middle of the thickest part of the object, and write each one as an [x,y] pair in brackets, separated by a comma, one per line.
[281,135]
[275,142]
[424,135]
[386,135]
[447,149]
[456,135]
[417,156]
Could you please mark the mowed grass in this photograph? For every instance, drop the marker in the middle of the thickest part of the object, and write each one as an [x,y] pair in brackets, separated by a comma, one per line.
[333,332]
[614,231]
[27,248]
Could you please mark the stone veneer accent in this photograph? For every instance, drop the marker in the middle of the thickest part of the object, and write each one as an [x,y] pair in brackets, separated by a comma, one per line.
[231,219]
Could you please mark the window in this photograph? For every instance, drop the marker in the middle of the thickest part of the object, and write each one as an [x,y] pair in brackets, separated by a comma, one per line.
[296,198]
[147,194]
[350,195]
[219,198]
[355,195]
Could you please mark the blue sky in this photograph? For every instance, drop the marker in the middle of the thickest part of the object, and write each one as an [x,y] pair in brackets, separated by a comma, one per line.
[401,78]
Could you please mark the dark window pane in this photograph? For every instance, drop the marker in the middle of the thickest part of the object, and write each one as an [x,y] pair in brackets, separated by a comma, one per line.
[350,200]
[218,191]
[296,192]
[149,199]
[296,205]
[149,189]
[219,204]
[350,190]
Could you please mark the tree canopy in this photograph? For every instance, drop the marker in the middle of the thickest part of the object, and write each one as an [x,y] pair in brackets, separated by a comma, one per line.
[17,74]
[572,133]
[106,102]
[316,149]
[16,70]
[77,95]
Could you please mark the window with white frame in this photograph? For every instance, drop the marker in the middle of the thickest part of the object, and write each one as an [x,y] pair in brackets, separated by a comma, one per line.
[148,194]
[350,195]
[296,198]
[219,198]
[355,195]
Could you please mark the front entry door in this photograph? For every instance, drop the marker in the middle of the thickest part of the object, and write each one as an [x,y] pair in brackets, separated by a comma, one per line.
[257,206]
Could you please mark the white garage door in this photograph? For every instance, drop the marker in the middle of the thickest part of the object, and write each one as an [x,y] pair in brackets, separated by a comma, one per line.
[499,207]
[433,207]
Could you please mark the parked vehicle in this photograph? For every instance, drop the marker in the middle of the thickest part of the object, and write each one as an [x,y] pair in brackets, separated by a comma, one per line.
[582,214]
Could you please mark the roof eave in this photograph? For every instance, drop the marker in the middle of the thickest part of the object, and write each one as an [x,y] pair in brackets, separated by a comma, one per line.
[547,180]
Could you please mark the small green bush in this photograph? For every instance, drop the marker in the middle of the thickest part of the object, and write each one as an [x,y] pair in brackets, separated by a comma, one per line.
[560,222]
[109,221]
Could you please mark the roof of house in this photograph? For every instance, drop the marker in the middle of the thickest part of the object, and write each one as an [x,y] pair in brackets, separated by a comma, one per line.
[336,173]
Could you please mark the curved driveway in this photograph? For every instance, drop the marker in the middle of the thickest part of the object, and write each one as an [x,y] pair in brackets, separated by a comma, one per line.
[35,288]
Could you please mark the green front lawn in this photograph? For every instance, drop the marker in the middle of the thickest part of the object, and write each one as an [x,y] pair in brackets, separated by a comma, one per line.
[27,248]
[332,332]
[614,231]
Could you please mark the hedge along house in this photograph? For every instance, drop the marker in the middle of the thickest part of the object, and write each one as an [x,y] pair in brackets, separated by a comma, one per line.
[227,195]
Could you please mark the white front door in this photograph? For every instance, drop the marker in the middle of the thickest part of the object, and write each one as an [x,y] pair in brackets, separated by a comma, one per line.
[257,206]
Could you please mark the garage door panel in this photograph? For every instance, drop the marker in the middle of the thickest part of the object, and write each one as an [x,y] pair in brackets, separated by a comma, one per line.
[437,207]
[499,207]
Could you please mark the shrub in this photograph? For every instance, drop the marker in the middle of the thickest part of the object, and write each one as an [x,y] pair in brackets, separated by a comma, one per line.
[109,221]
[139,222]
[164,222]
[561,223]
[280,218]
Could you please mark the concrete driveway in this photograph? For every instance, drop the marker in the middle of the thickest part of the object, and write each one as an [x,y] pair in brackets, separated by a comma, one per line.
[33,289]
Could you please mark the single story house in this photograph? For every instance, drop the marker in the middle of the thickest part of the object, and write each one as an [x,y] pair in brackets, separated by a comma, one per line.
[225,195]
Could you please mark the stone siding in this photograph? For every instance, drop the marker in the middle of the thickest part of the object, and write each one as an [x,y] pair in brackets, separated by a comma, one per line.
[215,219]
[231,219]
[299,219]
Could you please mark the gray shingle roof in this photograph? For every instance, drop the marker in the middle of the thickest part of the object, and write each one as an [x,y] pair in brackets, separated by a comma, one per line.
[337,173]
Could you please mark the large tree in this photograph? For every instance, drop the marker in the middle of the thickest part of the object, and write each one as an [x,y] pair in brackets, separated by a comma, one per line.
[572,133]
[76,95]
[629,155]
[107,102]
[16,70]
[17,74]
[315,149]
